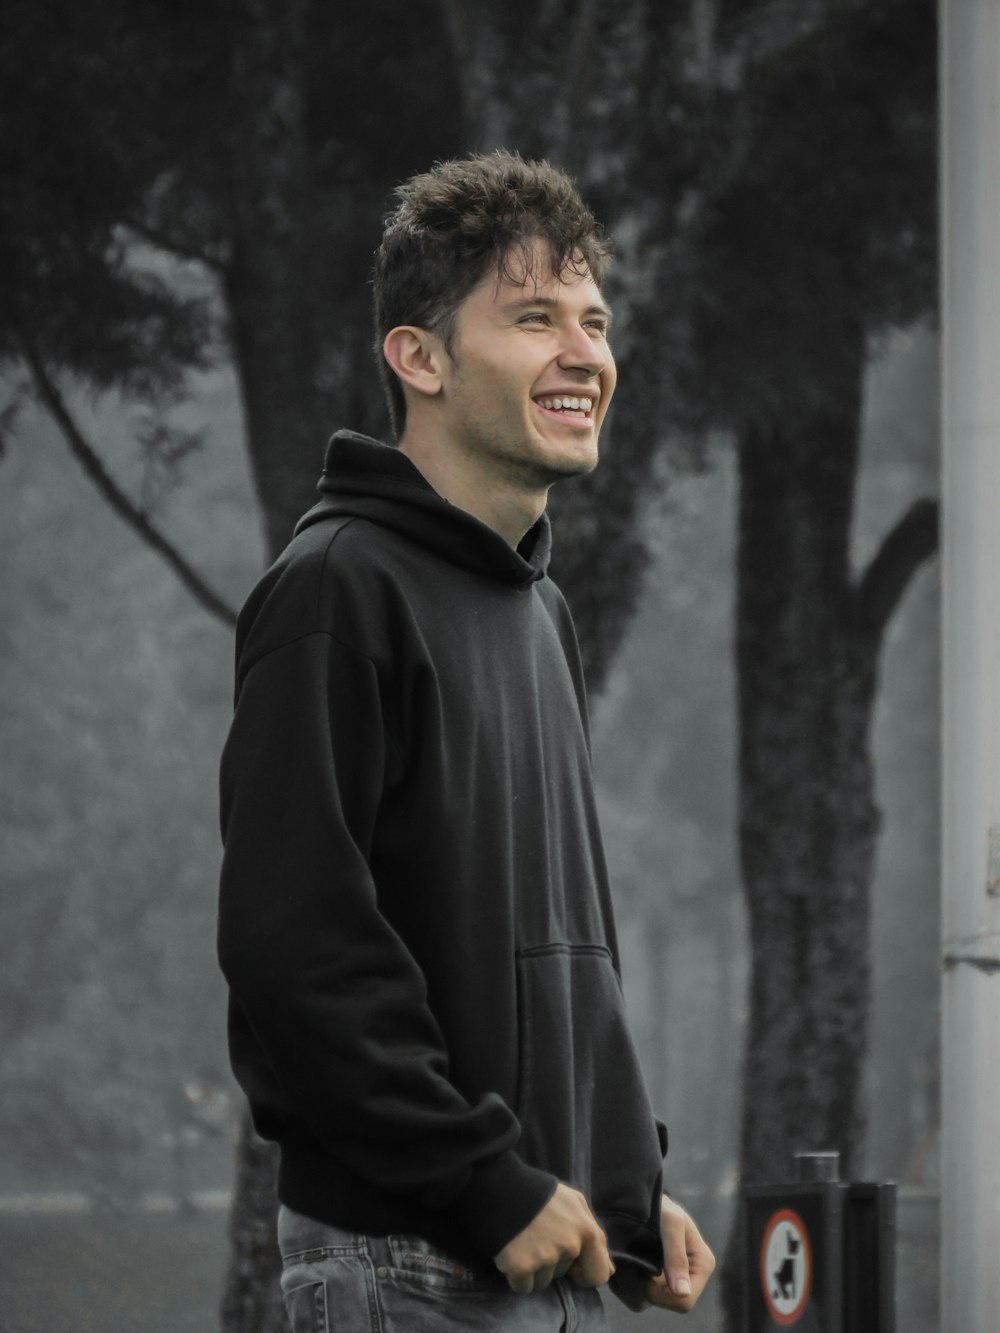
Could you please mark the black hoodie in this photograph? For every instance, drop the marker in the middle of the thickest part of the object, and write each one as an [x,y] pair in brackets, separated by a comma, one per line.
[426,1011]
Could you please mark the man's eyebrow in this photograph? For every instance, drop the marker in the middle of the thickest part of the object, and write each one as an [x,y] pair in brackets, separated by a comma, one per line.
[550,303]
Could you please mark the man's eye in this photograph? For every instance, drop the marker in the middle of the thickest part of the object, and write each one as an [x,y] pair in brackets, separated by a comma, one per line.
[528,319]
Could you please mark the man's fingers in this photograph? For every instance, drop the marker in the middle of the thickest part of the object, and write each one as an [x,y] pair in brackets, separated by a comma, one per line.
[687,1261]
[659,1293]
[593,1267]
[564,1237]
[521,1284]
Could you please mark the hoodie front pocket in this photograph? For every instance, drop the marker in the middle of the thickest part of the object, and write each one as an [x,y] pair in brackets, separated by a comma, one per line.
[582,1103]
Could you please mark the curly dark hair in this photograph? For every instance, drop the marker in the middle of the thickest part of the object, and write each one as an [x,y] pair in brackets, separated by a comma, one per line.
[454,223]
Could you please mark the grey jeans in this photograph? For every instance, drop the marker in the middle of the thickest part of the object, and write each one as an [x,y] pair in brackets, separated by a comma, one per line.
[337,1281]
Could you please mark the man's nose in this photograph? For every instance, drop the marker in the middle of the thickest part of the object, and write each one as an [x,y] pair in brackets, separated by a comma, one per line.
[580,351]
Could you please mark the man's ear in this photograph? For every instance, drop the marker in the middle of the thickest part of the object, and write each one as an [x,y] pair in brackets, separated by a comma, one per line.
[415,355]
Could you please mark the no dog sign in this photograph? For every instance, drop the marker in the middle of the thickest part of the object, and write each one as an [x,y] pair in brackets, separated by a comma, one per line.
[819,1255]
[786,1266]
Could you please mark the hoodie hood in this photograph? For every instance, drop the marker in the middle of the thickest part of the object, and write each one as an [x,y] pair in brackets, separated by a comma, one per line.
[363,478]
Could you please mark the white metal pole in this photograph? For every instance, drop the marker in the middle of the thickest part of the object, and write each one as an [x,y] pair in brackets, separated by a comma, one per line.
[970,252]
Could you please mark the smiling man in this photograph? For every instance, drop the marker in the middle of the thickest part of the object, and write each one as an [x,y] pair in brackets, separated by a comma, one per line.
[415,919]
[512,397]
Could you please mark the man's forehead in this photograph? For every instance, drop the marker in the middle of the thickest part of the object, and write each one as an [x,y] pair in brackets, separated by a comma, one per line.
[532,269]
[526,279]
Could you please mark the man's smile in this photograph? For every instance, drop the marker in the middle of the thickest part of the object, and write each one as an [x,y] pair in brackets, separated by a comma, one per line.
[572,408]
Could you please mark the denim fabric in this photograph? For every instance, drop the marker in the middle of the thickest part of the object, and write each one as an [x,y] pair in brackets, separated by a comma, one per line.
[336,1281]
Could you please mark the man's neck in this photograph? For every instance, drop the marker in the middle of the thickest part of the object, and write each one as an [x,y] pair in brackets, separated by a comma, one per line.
[503,502]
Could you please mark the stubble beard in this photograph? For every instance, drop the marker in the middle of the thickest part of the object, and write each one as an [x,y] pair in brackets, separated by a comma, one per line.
[507,439]
[519,458]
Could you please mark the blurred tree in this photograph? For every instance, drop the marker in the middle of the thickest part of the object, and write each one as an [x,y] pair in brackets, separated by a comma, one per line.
[215,136]
[821,237]
[79,95]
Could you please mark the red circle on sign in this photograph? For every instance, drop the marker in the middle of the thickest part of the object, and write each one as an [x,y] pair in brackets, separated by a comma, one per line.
[793,1314]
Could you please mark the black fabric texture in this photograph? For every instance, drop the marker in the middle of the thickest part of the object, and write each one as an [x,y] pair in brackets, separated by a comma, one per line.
[415,923]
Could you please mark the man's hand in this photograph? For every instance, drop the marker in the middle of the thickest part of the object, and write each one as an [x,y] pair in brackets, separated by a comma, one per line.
[687,1262]
[564,1238]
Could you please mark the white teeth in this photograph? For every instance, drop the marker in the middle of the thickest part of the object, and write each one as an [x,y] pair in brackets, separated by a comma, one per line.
[566,404]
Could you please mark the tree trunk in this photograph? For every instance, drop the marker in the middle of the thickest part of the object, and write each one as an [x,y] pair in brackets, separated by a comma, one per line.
[808,820]
[808,638]
[269,292]
[274,338]
[252,1301]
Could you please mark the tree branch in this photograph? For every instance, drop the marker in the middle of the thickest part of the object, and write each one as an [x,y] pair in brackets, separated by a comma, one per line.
[913,540]
[772,28]
[215,264]
[116,497]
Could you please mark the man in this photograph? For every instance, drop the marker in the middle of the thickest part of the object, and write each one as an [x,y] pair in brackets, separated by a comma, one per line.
[415,921]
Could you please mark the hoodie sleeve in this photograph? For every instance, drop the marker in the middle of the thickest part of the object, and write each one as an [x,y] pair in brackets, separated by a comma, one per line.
[335,1000]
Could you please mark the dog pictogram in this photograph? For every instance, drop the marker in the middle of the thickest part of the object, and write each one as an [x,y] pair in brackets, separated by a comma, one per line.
[786,1266]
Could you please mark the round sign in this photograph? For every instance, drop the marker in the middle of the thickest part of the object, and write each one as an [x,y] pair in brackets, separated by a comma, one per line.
[786,1266]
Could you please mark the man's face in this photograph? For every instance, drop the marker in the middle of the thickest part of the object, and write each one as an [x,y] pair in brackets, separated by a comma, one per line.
[532,374]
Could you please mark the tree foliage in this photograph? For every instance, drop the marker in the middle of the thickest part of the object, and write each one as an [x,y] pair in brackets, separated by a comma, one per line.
[821,227]
[78,103]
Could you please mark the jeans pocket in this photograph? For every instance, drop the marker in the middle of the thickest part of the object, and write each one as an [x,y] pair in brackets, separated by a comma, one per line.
[326,1290]
[307,1309]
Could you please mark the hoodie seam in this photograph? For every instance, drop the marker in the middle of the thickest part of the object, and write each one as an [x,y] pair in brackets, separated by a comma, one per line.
[387,479]
[515,582]
[320,583]
[342,643]
[374,666]
[628,1217]
[322,571]
[564,948]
